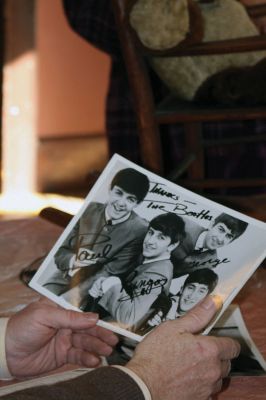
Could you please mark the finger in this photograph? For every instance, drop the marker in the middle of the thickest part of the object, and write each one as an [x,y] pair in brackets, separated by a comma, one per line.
[200,316]
[226,368]
[157,319]
[60,318]
[152,322]
[107,336]
[83,358]
[91,344]
[45,300]
[81,264]
[217,386]
[94,292]
[228,348]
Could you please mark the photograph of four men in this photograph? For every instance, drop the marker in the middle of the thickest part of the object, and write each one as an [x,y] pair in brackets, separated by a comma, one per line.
[141,252]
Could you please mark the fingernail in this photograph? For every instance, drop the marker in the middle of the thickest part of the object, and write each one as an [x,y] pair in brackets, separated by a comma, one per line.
[92,316]
[113,340]
[212,300]
[217,300]
[95,361]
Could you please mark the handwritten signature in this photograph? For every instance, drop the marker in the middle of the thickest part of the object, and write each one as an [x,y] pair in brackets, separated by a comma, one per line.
[85,241]
[214,262]
[144,287]
[180,209]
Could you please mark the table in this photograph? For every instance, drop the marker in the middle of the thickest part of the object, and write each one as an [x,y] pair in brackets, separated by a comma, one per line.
[23,241]
[252,302]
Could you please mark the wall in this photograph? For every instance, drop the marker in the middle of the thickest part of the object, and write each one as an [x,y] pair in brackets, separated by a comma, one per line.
[72,86]
[73,76]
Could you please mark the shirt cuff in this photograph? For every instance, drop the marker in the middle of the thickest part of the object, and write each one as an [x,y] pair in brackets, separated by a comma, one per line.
[4,372]
[140,383]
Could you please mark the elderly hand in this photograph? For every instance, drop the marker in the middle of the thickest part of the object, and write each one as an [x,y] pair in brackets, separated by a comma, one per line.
[44,336]
[176,363]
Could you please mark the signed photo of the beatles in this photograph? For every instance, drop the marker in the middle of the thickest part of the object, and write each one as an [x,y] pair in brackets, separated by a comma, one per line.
[143,250]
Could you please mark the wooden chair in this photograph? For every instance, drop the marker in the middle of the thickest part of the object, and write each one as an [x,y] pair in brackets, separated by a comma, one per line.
[151,116]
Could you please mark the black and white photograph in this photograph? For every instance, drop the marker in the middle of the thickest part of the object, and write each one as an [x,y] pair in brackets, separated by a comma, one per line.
[250,360]
[143,250]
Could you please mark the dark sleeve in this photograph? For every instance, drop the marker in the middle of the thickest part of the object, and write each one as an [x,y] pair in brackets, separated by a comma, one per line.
[104,383]
[67,250]
[94,21]
[162,303]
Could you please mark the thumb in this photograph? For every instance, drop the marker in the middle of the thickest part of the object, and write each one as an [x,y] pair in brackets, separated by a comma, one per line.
[200,316]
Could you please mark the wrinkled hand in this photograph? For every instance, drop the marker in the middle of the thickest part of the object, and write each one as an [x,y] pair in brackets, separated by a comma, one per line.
[189,366]
[44,336]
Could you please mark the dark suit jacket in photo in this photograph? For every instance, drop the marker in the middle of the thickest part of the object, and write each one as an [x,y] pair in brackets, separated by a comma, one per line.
[116,247]
[185,258]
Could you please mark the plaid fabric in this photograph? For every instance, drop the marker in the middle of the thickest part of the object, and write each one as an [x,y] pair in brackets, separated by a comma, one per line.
[93,20]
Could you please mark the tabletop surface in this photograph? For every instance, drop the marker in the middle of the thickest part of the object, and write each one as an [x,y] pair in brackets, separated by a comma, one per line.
[24,241]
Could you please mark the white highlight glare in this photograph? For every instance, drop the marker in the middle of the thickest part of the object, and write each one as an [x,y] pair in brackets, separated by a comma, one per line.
[20,204]
[14,111]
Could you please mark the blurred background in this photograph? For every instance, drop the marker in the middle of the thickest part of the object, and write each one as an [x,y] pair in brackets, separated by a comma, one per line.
[52,124]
